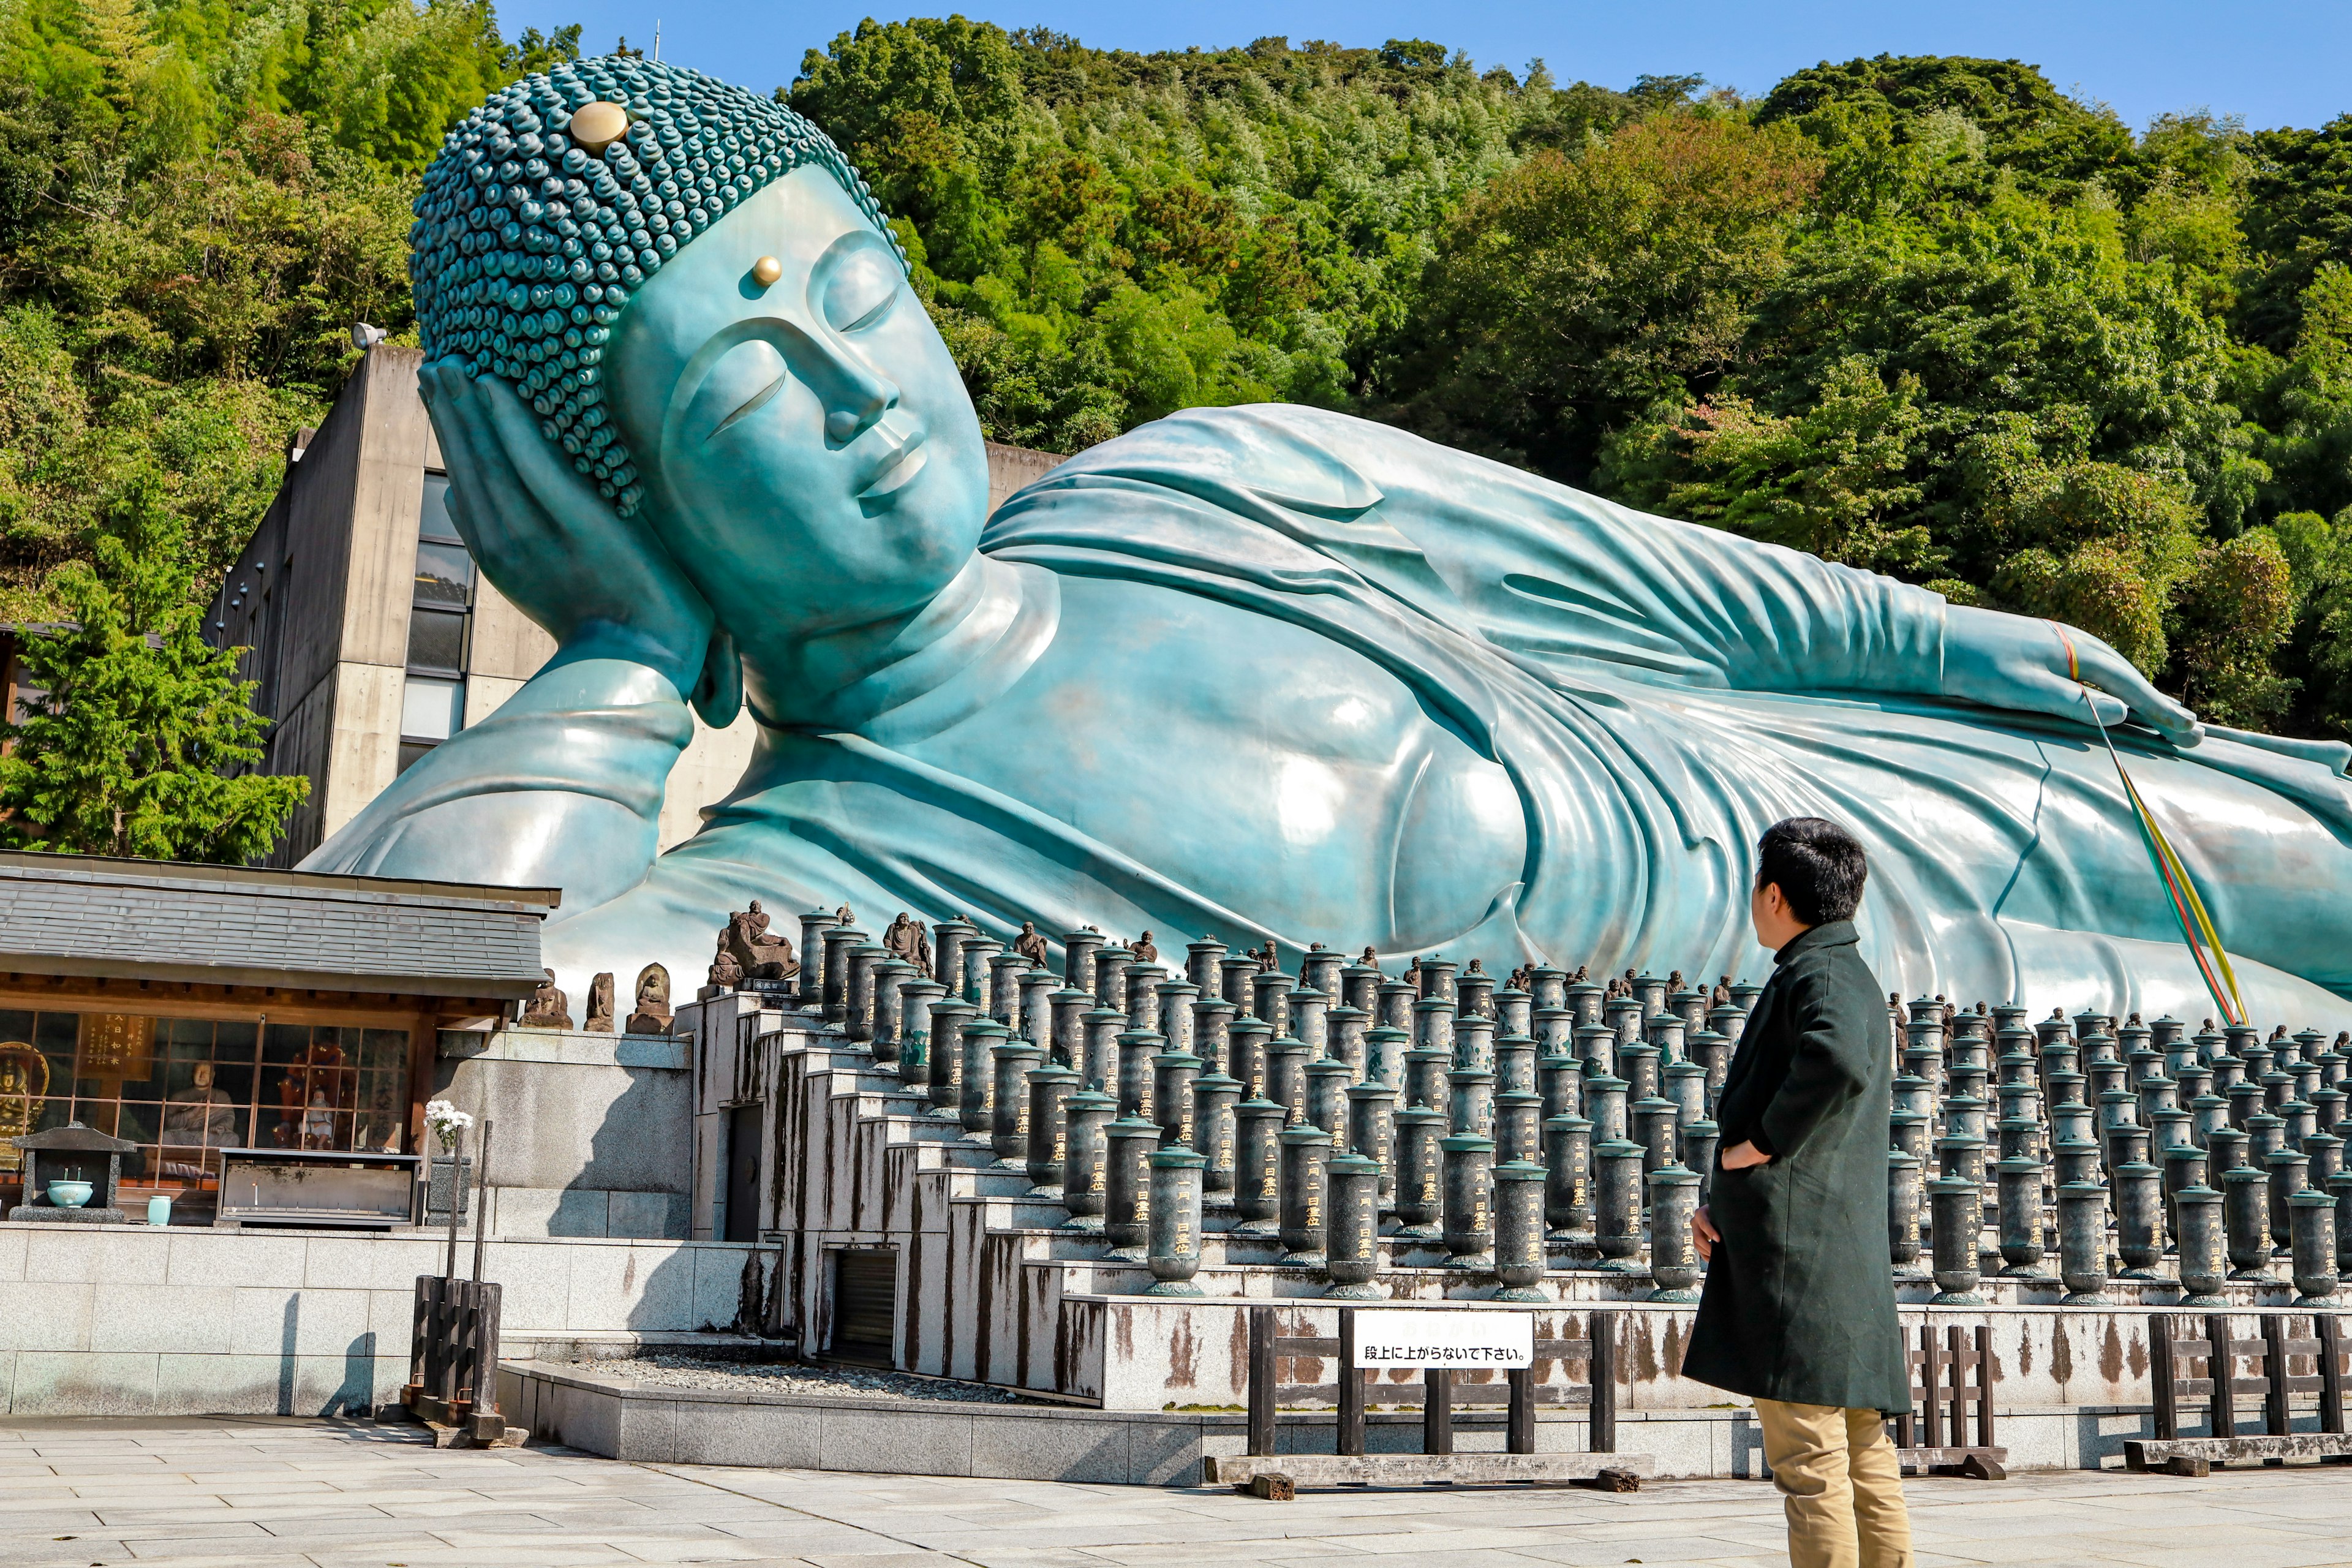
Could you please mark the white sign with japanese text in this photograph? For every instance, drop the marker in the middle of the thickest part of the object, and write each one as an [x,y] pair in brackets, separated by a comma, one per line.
[1410,1339]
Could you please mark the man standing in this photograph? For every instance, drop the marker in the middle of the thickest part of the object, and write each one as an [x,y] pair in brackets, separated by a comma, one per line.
[1798,1308]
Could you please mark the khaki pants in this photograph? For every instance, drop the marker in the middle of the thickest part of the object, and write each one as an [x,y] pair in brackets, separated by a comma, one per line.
[1842,1485]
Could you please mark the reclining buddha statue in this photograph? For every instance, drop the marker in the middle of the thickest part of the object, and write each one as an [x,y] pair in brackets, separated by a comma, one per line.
[1265,674]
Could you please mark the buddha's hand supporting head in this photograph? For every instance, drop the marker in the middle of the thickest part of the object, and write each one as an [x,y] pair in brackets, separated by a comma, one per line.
[600,582]
[695,293]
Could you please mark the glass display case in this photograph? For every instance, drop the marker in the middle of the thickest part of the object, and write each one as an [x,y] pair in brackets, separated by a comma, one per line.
[185,1089]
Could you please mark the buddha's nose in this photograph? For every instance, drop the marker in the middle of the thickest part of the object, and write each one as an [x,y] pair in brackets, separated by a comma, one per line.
[859,396]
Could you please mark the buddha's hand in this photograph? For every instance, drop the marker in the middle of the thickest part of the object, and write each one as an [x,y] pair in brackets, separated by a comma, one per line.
[599,583]
[2019,662]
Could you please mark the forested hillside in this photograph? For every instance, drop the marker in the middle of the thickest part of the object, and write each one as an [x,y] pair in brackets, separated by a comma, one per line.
[197,197]
[1925,315]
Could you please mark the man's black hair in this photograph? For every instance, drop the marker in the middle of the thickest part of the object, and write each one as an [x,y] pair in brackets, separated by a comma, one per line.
[1817,865]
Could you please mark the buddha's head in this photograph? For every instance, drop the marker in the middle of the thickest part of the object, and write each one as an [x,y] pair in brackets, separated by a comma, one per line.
[700,298]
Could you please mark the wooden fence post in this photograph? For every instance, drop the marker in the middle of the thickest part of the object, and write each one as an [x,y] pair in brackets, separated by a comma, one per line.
[2328,1329]
[2163,1368]
[1520,1418]
[1984,1386]
[1602,1413]
[1351,1388]
[2275,1397]
[1261,1380]
[1437,1411]
[2221,1361]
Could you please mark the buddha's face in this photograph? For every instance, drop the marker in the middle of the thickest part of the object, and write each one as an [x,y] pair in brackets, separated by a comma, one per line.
[812,459]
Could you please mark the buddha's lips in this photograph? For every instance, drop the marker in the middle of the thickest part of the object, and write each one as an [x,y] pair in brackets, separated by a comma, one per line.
[900,462]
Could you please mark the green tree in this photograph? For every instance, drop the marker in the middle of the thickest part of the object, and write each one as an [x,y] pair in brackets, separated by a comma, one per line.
[1825,481]
[2298,216]
[2235,609]
[129,753]
[2046,140]
[1572,293]
[2096,545]
[2316,659]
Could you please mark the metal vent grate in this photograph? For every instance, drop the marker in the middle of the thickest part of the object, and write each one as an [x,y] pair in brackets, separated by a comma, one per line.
[866,1304]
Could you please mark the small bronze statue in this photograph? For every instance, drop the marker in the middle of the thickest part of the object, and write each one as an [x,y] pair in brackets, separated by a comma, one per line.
[651,1015]
[759,954]
[600,1005]
[1368,959]
[1032,946]
[1145,953]
[548,1008]
[724,970]
[909,942]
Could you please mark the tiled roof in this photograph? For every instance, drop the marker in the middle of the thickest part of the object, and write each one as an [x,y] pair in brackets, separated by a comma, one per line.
[80,915]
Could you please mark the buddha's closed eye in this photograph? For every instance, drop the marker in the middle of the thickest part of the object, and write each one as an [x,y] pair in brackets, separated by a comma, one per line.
[862,287]
[748,378]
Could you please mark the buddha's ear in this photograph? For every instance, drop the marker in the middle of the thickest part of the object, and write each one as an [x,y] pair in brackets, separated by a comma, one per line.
[718,694]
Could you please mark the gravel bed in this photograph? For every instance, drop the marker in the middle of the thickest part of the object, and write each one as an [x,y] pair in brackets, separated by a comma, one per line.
[672,1370]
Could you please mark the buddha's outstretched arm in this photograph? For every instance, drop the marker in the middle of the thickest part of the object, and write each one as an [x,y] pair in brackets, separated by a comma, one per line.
[563,785]
[1560,576]
[1769,618]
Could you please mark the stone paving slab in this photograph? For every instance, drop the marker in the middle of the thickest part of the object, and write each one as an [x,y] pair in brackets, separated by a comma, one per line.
[264,1492]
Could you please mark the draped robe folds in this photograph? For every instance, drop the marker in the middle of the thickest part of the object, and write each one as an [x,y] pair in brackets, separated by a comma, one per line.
[1658,694]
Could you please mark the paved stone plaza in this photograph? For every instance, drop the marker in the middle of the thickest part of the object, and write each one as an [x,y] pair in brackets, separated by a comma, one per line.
[257,1492]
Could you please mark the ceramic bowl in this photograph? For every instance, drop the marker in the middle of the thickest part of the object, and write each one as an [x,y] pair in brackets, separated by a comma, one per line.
[70,1195]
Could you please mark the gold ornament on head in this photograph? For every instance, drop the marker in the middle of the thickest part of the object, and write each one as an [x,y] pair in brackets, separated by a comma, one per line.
[597,126]
[766,270]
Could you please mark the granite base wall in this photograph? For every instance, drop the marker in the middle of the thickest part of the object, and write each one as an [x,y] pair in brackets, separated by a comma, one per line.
[593,1129]
[139,1321]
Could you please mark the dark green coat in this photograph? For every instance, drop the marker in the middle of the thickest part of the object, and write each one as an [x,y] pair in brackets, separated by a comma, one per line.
[1800,1297]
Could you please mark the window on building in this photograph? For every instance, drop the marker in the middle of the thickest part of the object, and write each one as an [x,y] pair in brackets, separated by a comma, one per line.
[436,641]
[440,619]
[433,520]
[185,1089]
[432,710]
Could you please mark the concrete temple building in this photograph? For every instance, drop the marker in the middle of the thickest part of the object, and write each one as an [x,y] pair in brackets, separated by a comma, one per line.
[372,636]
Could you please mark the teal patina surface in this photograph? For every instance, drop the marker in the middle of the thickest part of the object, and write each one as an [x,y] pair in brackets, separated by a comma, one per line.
[1247,672]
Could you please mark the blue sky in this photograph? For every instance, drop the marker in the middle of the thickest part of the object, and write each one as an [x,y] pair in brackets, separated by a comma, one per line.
[2273,63]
